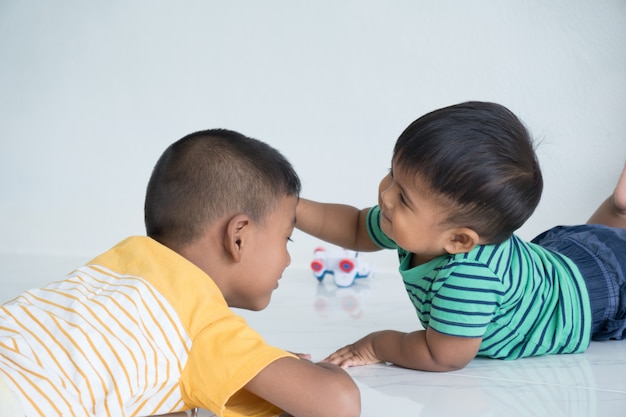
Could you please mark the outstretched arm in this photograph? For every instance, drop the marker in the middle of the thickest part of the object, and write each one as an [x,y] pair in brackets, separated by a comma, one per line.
[424,350]
[338,224]
[306,389]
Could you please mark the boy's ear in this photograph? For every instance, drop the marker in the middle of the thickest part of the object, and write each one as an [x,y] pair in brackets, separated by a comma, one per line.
[461,240]
[235,236]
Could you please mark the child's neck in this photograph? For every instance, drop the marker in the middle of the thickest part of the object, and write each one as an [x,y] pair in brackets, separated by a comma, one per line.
[417,259]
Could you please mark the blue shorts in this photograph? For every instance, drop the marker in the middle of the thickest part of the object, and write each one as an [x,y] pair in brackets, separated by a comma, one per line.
[600,254]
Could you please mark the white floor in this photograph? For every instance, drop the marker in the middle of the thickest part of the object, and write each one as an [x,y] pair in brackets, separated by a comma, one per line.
[305,316]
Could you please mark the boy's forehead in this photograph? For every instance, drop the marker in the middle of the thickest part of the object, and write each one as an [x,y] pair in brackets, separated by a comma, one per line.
[285,209]
[401,167]
[413,183]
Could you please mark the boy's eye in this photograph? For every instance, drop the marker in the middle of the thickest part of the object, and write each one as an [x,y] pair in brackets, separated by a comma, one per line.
[290,239]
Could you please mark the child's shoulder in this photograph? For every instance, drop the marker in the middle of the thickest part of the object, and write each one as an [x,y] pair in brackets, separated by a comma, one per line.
[482,251]
[488,259]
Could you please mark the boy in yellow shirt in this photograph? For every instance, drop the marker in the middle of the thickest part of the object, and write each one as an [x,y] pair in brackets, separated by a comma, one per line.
[146,328]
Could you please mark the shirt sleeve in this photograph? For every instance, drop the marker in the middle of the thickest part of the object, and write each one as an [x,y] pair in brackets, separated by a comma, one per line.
[467,297]
[375,232]
[225,356]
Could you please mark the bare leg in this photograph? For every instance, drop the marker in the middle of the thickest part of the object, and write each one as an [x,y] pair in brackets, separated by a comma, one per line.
[612,212]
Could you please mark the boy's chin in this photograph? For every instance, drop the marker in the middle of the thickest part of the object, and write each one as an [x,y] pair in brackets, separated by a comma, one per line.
[258,305]
[248,303]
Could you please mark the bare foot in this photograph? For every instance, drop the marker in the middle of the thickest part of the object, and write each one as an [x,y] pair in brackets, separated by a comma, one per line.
[612,212]
[619,195]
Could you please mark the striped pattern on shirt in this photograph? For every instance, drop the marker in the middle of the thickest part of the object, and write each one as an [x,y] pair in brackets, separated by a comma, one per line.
[97,343]
[521,299]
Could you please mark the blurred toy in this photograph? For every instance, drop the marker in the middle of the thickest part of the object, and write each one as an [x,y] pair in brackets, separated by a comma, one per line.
[345,266]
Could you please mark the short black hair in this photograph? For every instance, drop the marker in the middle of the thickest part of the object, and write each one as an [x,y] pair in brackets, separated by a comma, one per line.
[481,158]
[210,174]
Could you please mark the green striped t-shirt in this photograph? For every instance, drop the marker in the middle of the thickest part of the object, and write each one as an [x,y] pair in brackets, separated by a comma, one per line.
[521,299]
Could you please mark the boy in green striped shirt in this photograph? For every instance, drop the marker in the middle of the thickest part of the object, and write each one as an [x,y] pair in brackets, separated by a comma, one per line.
[463,179]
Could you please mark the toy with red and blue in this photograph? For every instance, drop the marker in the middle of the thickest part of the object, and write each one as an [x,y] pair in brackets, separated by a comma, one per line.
[344,265]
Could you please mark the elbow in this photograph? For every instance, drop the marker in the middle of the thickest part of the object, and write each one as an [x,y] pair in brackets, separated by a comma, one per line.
[348,402]
[450,353]
[449,364]
[343,399]
[451,367]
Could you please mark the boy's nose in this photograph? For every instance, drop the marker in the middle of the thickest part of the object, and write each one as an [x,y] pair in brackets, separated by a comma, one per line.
[383,187]
[385,200]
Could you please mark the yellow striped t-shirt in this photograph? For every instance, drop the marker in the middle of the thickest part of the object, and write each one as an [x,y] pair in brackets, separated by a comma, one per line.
[138,331]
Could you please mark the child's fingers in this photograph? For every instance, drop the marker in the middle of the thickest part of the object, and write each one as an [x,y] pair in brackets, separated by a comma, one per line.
[346,357]
[338,355]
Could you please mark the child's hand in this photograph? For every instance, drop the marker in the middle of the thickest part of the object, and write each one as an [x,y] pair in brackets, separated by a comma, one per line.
[359,353]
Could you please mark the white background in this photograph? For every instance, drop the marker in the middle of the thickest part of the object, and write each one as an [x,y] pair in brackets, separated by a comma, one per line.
[91,93]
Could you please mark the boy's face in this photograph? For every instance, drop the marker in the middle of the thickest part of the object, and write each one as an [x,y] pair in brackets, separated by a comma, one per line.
[266,256]
[411,216]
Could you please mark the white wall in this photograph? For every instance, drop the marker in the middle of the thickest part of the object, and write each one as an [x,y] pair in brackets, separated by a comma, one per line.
[92,92]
